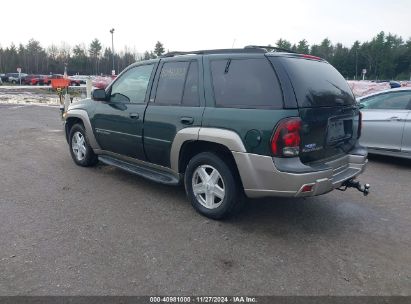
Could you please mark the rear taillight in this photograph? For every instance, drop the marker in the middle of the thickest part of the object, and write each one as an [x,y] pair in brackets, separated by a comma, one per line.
[286,139]
[359,124]
[311,57]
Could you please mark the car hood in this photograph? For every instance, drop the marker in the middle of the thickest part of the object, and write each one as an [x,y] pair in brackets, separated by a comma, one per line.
[81,104]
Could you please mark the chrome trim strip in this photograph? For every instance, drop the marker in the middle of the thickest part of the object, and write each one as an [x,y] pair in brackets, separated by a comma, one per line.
[105,131]
[157,139]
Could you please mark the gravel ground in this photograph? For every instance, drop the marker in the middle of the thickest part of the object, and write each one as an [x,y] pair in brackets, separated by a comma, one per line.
[67,230]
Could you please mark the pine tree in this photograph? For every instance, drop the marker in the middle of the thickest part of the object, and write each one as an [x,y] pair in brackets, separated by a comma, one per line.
[159,49]
[95,51]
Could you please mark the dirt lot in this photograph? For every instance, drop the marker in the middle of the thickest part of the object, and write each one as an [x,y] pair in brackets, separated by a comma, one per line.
[67,230]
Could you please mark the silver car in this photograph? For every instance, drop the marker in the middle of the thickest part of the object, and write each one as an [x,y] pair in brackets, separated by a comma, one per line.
[386,117]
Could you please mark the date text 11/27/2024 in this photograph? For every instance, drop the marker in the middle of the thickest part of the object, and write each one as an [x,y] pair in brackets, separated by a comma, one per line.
[203,299]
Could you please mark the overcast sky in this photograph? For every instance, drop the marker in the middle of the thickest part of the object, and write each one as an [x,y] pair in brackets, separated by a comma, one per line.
[207,24]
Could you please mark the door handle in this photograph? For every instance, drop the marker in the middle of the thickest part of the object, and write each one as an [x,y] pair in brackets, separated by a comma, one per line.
[187,120]
[396,118]
[134,115]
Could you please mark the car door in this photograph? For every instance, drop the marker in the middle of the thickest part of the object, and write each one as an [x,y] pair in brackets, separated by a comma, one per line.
[384,117]
[118,121]
[176,102]
[406,137]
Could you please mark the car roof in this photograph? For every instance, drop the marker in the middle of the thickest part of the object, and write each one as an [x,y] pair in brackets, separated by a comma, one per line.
[262,50]
[384,91]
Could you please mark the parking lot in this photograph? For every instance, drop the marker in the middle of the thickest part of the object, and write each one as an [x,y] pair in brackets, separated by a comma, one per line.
[68,230]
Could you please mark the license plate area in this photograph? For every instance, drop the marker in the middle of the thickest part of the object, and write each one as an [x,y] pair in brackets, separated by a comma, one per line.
[339,129]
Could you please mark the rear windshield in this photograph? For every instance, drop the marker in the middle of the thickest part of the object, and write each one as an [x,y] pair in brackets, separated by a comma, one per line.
[317,83]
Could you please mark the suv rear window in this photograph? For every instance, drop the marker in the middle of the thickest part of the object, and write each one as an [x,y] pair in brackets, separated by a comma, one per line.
[245,83]
[317,83]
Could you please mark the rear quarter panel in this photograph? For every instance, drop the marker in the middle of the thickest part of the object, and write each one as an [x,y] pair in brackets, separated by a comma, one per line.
[254,126]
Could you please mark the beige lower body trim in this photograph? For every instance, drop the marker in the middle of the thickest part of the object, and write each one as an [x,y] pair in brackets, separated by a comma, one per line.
[261,178]
[227,138]
[82,114]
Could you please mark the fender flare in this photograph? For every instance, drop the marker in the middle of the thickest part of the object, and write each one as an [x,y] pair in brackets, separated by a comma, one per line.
[82,114]
[227,138]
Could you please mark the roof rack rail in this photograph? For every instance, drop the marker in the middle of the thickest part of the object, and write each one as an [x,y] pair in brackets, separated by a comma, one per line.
[246,49]
[267,48]
[217,51]
[177,53]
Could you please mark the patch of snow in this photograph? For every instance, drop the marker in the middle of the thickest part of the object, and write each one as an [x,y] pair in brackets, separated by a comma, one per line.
[364,87]
[10,95]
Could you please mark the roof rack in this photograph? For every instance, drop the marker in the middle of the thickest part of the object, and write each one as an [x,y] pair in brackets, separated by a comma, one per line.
[247,49]
[218,51]
[269,48]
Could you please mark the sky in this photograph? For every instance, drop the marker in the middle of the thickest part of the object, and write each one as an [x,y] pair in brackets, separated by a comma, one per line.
[193,25]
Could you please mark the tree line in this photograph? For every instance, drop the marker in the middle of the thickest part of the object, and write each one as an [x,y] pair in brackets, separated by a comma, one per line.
[385,56]
[32,58]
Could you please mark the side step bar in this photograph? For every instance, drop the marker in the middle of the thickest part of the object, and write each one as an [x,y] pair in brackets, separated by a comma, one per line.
[141,170]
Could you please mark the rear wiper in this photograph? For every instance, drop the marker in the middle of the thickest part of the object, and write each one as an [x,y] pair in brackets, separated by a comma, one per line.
[334,85]
[227,66]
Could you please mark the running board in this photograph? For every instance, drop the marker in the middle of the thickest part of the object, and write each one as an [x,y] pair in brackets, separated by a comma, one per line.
[141,170]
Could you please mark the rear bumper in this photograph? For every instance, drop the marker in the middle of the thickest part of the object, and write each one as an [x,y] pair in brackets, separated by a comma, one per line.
[264,176]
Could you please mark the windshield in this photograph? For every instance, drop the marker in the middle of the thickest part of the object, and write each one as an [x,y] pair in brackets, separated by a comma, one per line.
[317,83]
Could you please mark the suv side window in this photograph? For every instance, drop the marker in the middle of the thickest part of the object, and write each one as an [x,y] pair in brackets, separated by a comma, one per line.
[388,101]
[171,83]
[132,85]
[191,96]
[245,83]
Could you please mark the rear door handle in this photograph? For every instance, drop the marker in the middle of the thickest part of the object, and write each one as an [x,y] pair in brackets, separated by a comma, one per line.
[134,115]
[187,120]
[396,118]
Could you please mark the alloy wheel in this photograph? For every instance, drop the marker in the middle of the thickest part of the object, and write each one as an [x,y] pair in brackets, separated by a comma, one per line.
[208,186]
[78,145]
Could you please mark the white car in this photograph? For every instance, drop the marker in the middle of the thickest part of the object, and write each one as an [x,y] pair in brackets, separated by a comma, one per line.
[386,117]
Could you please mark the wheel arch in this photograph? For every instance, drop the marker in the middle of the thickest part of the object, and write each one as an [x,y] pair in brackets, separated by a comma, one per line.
[70,122]
[188,143]
[227,139]
[79,115]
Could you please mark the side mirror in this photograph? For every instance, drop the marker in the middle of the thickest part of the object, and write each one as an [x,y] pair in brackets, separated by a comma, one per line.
[99,94]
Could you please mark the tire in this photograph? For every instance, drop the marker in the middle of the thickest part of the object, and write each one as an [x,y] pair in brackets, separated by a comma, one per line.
[80,150]
[222,195]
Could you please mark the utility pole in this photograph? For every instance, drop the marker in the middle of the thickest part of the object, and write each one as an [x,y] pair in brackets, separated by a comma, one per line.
[356,63]
[113,72]
[232,46]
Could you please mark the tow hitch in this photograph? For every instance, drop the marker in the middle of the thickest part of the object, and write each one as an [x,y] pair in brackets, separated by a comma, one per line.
[351,183]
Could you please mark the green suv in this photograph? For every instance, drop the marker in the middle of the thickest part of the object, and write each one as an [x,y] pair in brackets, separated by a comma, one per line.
[227,124]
